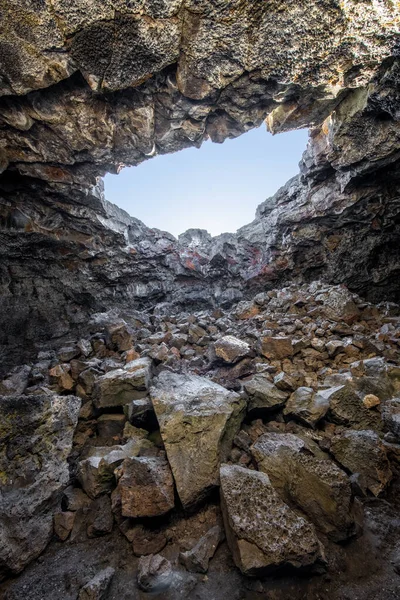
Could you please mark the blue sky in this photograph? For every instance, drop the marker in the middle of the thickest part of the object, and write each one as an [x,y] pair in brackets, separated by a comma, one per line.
[217,187]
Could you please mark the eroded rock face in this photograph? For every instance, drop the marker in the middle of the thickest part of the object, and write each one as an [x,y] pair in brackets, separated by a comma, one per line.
[198,420]
[121,84]
[36,440]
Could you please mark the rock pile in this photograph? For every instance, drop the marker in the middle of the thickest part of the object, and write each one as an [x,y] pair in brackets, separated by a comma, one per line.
[286,405]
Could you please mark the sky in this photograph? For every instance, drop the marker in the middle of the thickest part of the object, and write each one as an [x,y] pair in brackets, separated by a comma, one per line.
[217,187]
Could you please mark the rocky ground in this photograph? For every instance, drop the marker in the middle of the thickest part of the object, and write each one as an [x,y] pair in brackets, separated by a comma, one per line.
[250,452]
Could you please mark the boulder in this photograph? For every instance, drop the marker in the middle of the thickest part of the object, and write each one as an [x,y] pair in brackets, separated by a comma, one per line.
[363,452]
[339,305]
[154,573]
[97,588]
[146,487]
[196,560]
[198,421]
[276,348]
[36,439]
[96,472]
[313,483]
[306,406]
[346,407]
[263,533]
[120,386]
[263,395]
[230,349]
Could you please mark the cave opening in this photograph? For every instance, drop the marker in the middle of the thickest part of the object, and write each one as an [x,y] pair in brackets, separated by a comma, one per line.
[216,187]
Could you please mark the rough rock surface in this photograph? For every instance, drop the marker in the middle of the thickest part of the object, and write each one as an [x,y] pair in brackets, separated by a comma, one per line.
[96,304]
[198,421]
[146,487]
[262,531]
[36,441]
[314,484]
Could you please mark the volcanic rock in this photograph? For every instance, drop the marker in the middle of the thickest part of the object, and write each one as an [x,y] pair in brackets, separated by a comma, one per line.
[36,435]
[198,421]
[146,487]
[263,533]
[363,452]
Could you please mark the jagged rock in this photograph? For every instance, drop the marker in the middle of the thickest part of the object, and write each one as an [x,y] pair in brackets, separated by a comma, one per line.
[263,533]
[36,435]
[263,395]
[198,421]
[316,485]
[347,408]
[96,472]
[276,347]
[16,383]
[120,386]
[363,452]
[307,406]
[284,382]
[196,560]
[154,573]
[97,588]
[146,487]
[230,349]
[339,305]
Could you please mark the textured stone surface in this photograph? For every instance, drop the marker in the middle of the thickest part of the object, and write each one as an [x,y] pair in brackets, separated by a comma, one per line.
[264,396]
[36,440]
[198,420]
[179,89]
[197,558]
[363,452]
[307,406]
[146,487]
[315,485]
[262,531]
[230,349]
[154,573]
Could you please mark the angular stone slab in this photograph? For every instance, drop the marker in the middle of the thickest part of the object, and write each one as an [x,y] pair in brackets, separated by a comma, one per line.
[198,421]
[146,487]
[316,485]
[263,533]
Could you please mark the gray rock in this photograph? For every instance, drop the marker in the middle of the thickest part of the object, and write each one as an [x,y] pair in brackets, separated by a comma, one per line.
[306,406]
[198,421]
[36,433]
[120,386]
[363,452]
[264,396]
[230,349]
[154,573]
[96,472]
[314,484]
[263,533]
[196,560]
[97,588]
